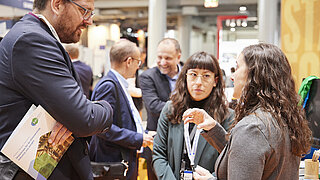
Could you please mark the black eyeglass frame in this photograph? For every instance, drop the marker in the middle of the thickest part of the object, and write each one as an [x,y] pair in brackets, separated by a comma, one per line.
[86,11]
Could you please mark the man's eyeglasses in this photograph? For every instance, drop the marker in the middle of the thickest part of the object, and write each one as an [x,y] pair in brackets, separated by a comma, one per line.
[139,61]
[204,77]
[87,13]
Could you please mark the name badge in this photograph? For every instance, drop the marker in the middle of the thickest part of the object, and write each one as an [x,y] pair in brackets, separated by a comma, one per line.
[187,175]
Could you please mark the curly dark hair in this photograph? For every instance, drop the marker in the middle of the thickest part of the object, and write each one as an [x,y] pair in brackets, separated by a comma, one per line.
[270,86]
[215,104]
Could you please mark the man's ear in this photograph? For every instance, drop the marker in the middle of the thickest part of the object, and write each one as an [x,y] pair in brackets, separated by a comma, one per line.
[56,6]
[179,56]
[129,61]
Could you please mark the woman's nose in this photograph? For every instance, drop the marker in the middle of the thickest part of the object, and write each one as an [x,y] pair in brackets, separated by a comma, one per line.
[198,79]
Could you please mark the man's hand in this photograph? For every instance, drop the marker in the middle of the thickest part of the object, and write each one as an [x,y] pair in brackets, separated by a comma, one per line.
[202,174]
[200,117]
[59,134]
[147,140]
[152,133]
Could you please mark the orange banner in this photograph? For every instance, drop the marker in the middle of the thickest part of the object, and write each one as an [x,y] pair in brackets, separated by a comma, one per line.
[300,36]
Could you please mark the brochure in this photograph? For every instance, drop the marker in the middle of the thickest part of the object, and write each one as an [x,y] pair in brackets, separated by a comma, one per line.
[28,145]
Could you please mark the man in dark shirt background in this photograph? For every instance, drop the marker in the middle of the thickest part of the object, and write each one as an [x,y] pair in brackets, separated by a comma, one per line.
[84,71]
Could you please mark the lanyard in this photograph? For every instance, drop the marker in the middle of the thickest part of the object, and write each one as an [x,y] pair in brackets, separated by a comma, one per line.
[191,150]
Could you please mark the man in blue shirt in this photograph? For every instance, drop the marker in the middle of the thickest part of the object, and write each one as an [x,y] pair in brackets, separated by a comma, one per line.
[126,135]
[156,85]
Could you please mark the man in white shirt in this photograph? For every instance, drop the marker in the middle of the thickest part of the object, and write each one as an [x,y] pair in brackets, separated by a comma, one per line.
[126,136]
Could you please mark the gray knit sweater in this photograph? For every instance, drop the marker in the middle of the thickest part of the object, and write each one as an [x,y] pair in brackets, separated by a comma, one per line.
[256,150]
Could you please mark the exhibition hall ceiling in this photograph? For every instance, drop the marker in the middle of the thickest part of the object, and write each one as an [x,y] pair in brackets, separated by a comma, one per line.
[134,13]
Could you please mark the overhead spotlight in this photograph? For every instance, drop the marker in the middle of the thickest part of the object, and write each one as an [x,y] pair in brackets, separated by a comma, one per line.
[228,22]
[140,33]
[140,14]
[233,23]
[242,8]
[129,30]
[244,23]
[211,3]
[238,22]
[233,29]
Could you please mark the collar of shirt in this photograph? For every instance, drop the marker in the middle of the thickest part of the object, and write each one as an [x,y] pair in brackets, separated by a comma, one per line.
[122,80]
[53,31]
[174,77]
[136,116]
[172,81]
[75,60]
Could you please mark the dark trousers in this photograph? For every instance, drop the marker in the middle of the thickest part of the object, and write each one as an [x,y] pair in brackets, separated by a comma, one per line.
[147,154]
[21,175]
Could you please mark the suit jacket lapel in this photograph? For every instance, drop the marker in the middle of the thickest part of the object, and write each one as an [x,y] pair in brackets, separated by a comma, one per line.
[165,83]
[179,142]
[121,93]
[66,55]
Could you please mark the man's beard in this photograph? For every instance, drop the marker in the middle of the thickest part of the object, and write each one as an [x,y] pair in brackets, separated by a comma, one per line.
[65,33]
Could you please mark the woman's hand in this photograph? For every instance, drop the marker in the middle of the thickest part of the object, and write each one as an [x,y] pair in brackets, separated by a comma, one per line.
[200,117]
[202,174]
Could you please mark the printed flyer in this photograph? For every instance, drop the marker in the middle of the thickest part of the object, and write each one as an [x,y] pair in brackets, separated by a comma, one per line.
[28,145]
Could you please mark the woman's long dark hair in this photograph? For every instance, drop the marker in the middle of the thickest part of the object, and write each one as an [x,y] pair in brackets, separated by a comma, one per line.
[270,86]
[215,104]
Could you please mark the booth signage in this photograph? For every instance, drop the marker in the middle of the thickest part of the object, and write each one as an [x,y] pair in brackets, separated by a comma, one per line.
[300,36]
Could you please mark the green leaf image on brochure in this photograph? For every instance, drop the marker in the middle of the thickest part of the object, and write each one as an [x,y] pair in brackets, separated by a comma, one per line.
[45,164]
[48,156]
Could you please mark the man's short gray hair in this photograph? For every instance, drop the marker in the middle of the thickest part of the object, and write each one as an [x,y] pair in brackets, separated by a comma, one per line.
[173,41]
[121,50]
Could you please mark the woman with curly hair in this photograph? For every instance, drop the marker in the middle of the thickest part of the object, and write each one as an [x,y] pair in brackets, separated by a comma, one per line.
[270,132]
[199,85]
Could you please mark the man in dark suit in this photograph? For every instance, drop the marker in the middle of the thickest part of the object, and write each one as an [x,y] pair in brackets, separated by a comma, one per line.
[129,137]
[156,85]
[84,71]
[36,69]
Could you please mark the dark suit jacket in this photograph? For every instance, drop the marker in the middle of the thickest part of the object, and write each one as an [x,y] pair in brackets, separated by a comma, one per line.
[155,93]
[85,74]
[106,147]
[35,69]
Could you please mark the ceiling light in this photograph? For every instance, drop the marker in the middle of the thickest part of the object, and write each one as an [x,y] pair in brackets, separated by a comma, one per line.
[129,30]
[233,29]
[211,3]
[233,23]
[244,23]
[238,22]
[242,8]
[228,22]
